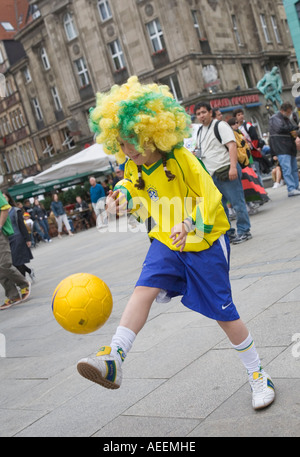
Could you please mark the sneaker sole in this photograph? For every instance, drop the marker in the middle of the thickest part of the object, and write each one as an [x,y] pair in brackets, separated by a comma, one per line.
[264,405]
[90,372]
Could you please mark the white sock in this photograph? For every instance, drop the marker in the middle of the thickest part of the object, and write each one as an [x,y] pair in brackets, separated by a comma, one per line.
[248,355]
[122,342]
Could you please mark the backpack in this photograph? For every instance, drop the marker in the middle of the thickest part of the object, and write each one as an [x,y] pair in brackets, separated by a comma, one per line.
[242,149]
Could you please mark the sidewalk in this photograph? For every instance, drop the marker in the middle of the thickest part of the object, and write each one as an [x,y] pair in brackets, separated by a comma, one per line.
[181,379]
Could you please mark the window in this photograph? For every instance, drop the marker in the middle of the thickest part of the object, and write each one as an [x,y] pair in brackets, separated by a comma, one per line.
[27,75]
[196,24]
[6,125]
[236,31]
[9,89]
[172,82]
[45,59]
[117,55]
[82,72]
[104,10]
[265,28]
[68,140]
[156,35]
[7,26]
[69,27]
[29,153]
[47,145]
[247,75]
[275,28]
[37,109]
[56,99]
[6,163]
[21,117]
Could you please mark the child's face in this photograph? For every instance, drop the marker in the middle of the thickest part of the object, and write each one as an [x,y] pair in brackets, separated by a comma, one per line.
[147,158]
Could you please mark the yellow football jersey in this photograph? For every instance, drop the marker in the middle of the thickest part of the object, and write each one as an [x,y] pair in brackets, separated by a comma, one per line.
[191,194]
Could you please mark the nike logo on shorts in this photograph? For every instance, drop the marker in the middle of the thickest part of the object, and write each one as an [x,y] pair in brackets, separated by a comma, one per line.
[224,307]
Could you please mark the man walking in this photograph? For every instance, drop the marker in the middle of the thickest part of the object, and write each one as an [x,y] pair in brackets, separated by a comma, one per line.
[219,156]
[283,134]
[10,278]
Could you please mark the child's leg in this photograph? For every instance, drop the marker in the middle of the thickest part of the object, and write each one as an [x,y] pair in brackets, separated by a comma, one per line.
[133,320]
[262,387]
[243,343]
[137,309]
[106,368]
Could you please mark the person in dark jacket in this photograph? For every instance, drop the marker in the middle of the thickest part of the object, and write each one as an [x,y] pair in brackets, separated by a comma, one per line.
[39,214]
[20,242]
[283,134]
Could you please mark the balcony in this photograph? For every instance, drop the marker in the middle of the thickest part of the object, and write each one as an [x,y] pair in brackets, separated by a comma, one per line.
[160,58]
[205,48]
[120,76]
[86,92]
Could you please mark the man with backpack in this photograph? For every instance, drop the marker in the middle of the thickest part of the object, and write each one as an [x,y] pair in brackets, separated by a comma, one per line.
[216,147]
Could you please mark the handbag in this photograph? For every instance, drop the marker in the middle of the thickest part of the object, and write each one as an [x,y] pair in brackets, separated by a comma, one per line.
[223,173]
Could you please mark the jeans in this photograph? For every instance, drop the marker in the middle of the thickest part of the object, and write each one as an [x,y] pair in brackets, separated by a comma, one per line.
[233,192]
[289,168]
[44,224]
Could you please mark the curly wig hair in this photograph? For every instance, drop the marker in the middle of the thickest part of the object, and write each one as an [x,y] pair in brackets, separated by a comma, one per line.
[144,115]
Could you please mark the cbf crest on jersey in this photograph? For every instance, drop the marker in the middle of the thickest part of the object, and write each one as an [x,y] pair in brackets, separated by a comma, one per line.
[152,192]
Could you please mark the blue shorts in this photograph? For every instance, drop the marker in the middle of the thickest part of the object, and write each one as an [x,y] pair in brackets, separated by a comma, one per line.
[202,278]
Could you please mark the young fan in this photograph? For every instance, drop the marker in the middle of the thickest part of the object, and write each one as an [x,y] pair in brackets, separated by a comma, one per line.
[189,254]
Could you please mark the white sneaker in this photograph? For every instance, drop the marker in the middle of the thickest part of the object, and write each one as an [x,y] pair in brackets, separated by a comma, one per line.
[294,192]
[263,392]
[276,185]
[32,275]
[104,369]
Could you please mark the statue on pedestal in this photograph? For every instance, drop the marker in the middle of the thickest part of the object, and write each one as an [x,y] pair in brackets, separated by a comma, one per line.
[271,87]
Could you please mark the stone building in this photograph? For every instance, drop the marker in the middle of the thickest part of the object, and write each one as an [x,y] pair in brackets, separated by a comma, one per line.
[17,152]
[212,49]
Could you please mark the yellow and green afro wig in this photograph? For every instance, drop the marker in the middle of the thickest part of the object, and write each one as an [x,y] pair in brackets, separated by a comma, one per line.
[144,115]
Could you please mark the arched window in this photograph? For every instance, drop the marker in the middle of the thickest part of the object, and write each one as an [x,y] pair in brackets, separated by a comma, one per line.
[69,27]
[45,59]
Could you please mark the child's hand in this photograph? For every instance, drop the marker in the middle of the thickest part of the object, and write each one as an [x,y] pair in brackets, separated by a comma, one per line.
[113,205]
[179,233]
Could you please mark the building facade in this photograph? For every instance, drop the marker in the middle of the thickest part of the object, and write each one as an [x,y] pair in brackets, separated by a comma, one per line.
[215,50]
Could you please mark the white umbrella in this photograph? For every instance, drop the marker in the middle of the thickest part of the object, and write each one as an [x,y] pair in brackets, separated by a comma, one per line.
[91,159]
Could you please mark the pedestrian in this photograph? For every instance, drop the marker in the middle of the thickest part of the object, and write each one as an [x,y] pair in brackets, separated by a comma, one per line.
[29,226]
[16,288]
[40,216]
[189,254]
[20,240]
[217,114]
[60,216]
[119,175]
[98,199]
[219,156]
[283,135]
[250,133]
[254,193]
